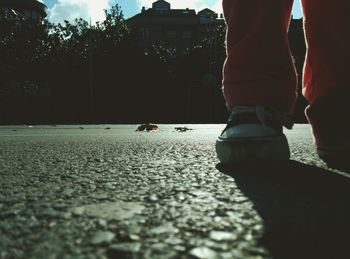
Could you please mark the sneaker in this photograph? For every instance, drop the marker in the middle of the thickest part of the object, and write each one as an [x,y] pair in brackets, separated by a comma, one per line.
[331,131]
[336,157]
[254,134]
[334,154]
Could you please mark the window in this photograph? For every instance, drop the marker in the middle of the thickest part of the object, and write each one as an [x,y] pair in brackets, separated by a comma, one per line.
[28,14]
[145,33]
[35,15]
[171,34]
[186,34]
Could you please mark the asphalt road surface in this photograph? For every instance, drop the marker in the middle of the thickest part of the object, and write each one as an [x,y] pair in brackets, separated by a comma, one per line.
[107,191]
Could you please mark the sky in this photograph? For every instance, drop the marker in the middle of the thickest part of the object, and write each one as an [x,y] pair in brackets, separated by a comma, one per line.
[60,10]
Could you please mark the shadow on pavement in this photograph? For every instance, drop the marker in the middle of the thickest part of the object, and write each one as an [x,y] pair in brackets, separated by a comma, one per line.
[339,165]
[305,209]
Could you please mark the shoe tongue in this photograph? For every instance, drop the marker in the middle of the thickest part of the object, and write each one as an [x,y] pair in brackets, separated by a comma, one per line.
[262,113]
[285,120]
[242,109]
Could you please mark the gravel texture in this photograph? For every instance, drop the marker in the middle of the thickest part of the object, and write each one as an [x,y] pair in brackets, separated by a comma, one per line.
[108,191]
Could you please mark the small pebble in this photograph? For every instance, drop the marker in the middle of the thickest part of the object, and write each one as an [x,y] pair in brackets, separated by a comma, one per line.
[203,252]
[102,237]
[222,236]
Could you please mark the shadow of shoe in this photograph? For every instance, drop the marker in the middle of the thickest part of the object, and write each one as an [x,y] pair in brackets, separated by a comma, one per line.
[338,164]
[305,209]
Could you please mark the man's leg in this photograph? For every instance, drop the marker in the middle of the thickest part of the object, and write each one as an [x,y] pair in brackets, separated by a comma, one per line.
[259,68]
[326,72]
[259,82]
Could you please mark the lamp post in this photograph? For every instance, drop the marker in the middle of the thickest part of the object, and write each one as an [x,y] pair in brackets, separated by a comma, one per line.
[91,83]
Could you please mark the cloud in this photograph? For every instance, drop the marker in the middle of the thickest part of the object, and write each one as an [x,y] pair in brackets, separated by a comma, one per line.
[215,5]
[72,9]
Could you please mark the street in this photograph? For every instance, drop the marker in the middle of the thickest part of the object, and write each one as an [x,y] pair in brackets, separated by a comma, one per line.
[108,191]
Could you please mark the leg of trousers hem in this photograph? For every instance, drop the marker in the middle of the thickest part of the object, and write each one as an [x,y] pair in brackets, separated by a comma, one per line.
[326,80]
[259,67]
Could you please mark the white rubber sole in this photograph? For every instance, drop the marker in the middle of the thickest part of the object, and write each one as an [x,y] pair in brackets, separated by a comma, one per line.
[260,150]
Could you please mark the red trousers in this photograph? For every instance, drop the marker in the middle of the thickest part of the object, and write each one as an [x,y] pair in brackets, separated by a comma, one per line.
[259,68]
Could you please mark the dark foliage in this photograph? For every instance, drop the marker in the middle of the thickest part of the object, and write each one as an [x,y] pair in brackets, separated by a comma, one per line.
[96,73]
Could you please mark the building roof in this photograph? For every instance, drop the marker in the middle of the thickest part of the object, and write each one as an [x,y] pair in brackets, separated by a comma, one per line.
[23,4]
[169,13]
[161,1]
[172,16]
[158,15]
[206,10]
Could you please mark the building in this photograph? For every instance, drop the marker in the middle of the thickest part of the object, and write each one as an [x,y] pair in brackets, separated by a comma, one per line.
[30,9]
[207,16]
[179,28]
